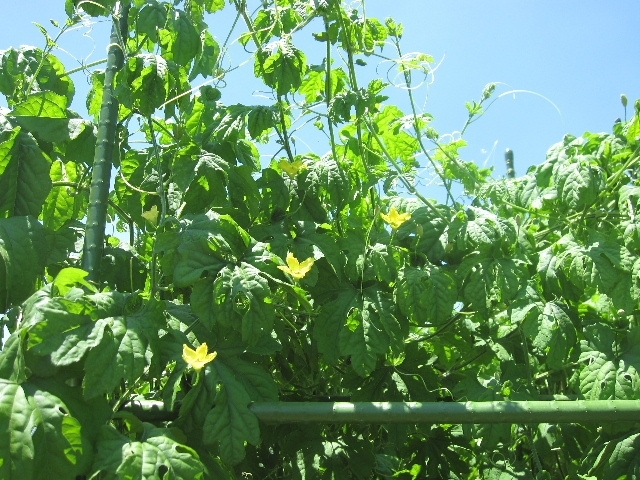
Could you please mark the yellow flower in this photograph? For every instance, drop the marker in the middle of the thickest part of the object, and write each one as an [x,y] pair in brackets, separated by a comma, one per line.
[296,268]
[291,168]
[151,215]
[394,218]
[197,358]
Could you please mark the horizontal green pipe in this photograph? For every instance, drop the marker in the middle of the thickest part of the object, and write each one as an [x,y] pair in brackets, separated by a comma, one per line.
[578,411]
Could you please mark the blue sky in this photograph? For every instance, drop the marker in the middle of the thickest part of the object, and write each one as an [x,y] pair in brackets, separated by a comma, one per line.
[576,56]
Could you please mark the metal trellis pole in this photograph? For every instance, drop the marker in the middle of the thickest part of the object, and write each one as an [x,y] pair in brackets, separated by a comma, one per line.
[522,412]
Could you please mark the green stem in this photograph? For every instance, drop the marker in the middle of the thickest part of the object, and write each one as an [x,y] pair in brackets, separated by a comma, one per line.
[45,52]
[398,169]
[416,126]
[613,180]
[103,158]
[163,204]
[353,80]
[285,133]
[328,92]
[282,130]
[82,67]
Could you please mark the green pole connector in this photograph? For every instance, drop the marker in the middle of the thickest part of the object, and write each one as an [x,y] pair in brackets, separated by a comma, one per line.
[508,158]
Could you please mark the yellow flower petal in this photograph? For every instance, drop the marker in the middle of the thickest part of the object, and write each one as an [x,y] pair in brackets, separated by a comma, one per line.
[394,218]
[291,168]
[197,358]
[295,268]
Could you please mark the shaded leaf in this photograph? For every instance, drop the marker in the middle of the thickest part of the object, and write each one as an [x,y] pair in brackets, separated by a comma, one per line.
[22,258]
[158,454]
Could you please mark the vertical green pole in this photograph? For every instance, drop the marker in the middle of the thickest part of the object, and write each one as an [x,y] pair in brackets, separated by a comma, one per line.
[103,157]
[508,157]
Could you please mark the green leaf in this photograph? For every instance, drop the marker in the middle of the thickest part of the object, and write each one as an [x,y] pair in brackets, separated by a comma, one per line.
[275,194]
[241,295]
[232,126]
[197,403]
[591,266]
[125,349]
[16,445]
[22,258]
[122,269]
[399,144]
[82,142]
[151,18]
[230,422]
[549,272]
[362,341]
[331,321]
[426,295]
[488,281]
[384,265]
[313,86]
[478,229]
[312,241]
[579,184]
[96,8]
[12,363]
[181,41]
[207,243]
[258,384]
[25,66]
[624,461]
[158,454]
[207,60]
[248,154]
[150,88]
[65,335]
[208,185]
[261,119]
[634,129]
[428,223]
[526,304]
[94,97]
[213,6]
[616,458]
[552,333]
[64,203]
[284,69]
[244,194]
[48,430]
[24,175]
[324,179]
[605,375]
[44,114]
[371,329]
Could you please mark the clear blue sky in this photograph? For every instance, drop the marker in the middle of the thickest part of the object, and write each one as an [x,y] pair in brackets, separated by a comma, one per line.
[581,55]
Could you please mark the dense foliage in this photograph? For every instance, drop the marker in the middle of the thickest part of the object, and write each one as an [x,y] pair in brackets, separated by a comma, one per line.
[312,275]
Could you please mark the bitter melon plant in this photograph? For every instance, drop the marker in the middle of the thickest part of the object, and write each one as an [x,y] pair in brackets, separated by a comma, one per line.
[257,269]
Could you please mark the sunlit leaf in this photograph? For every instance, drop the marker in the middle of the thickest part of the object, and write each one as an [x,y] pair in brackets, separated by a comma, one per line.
[24,175]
